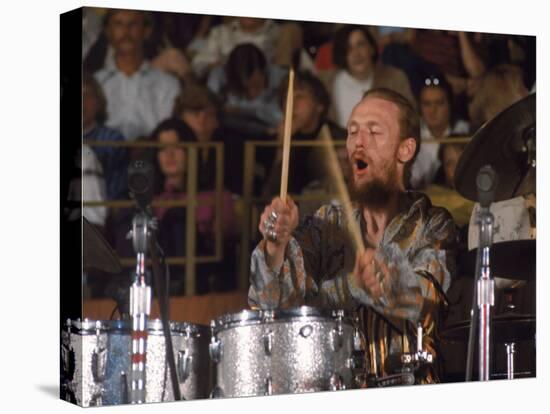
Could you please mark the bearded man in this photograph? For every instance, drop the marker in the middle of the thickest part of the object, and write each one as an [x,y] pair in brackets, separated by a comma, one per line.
[399,280]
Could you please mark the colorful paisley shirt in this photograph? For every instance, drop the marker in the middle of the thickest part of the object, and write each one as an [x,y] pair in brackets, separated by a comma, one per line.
[418,246]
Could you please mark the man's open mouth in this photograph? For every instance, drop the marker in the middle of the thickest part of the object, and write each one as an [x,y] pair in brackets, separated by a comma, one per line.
[361,165]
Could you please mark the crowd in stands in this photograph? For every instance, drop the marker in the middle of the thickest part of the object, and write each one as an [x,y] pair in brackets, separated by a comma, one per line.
[175,77]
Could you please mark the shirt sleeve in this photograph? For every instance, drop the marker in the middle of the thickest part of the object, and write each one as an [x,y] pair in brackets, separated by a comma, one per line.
[296,282]
[418,278]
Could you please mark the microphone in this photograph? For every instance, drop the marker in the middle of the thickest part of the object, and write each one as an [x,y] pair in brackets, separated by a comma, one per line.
[140,183]
[486,182]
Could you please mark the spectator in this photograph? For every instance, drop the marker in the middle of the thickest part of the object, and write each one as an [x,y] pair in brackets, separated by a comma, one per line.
[355,54]
[278,42]
[138,95]
[248,85]
[198,107]
[114,161]
[309,115]
[172,163]
[437,121]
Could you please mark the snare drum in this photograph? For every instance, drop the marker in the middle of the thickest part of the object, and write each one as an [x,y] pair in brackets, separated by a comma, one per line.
[284,351]
[96,362]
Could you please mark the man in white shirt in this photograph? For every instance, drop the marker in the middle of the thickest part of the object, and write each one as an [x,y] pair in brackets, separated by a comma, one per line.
[138,95]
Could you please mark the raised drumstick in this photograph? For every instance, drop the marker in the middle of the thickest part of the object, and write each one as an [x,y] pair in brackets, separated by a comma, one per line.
[286,136]
[341,189]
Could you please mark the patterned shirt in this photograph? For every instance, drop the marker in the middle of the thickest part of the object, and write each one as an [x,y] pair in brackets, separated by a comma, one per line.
[418,246]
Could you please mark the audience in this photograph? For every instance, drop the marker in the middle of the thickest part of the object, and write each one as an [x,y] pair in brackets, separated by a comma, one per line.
[356,56]
[114,161]
[138,95]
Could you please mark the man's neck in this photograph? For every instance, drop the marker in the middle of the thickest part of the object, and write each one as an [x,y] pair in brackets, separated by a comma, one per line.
[129,63]
[377,219]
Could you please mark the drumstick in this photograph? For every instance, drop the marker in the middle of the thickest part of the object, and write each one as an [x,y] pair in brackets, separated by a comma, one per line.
[341,190]
[286,135]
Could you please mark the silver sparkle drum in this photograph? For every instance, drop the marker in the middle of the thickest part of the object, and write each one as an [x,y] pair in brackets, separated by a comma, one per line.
[96,362]
[268,352]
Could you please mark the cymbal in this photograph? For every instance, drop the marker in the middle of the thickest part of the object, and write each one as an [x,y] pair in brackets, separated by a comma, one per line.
[516,259]
[96,251]
[502,143]
[507,327]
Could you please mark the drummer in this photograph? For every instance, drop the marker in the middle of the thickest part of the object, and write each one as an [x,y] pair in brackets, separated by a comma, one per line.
[399,279]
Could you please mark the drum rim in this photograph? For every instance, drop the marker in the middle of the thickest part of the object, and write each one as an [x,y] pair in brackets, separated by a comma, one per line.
[154,327]
[249,317]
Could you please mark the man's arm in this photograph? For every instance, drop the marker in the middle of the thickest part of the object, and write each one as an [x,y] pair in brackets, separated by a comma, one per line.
[400,285]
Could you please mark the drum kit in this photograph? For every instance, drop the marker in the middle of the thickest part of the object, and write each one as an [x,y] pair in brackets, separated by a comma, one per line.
[304,349]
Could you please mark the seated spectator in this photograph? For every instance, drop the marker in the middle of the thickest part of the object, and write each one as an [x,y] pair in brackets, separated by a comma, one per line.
[437,122]
[198,107]
[248,85]
[138,95]
[114,161]
[172,163]
[278,42]
[309,115]
[355,54]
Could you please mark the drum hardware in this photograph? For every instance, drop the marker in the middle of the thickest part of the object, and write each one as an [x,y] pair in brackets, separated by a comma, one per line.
[337,383]
[124,388]
[421,357]
[215,348]
[184,365]
[268,342]
[306,330]
[268,386]
[338,334]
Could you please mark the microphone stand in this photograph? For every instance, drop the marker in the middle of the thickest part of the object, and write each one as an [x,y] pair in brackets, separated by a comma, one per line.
[484,291]
[140,308]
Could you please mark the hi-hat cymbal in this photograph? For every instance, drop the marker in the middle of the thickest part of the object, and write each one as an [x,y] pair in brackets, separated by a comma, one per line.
[507,143]
[515,259]
[507,327]
[97,253]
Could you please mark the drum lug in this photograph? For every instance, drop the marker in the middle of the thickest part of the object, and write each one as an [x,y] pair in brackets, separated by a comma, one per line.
[99,361]
[338,333]
[357,340]
[184,365]
[337,339]
[124,388]
[268,386]
[216,392]
[268,342]
[336,383]
[215,349]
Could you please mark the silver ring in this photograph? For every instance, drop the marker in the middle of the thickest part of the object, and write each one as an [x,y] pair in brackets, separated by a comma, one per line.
[273,215]
[272,235]
[268,224]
